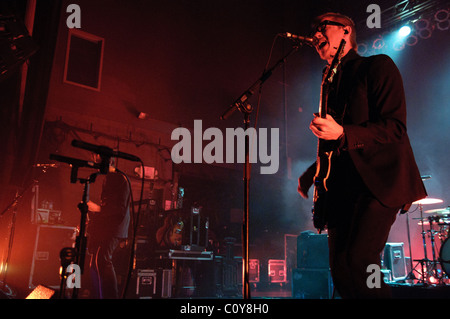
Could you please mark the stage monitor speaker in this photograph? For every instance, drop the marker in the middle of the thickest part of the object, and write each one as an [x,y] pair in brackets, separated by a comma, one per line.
[394,260]
[312,251]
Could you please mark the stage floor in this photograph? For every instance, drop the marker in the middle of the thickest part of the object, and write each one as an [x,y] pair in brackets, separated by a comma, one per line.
[399,291]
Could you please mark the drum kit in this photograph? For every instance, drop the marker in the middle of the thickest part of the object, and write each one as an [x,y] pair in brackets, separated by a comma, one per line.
[435,226]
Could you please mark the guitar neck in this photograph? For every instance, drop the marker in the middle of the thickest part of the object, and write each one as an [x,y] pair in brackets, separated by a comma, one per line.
[328,79]
[323,102]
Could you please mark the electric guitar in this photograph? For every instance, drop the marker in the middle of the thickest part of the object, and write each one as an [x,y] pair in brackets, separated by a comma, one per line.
[324,152]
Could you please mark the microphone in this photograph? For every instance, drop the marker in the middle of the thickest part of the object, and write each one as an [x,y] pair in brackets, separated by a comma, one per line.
[104,150]
[302,39]
[73,161]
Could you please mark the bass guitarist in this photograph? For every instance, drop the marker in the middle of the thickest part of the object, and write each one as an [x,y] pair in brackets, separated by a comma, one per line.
[372,172]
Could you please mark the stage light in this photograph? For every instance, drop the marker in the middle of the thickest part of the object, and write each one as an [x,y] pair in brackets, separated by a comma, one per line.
[412,40]
[441,15]
[442,20]
[398,45]
[423,28]
[362,48]
[378,43]
[404,31]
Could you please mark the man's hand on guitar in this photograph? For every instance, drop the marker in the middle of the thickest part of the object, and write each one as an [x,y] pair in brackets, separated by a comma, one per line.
[326,128]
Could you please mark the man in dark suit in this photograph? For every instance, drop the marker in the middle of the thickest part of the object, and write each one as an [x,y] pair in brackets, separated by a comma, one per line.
[373,170]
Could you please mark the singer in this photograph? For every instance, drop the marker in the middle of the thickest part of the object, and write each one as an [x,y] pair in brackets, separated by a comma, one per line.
[373,172]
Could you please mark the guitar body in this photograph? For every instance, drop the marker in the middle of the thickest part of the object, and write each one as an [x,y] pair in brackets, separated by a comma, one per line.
[323,168]
[324,151]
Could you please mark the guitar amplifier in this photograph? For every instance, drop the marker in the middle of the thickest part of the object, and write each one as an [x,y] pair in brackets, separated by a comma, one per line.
[394,260]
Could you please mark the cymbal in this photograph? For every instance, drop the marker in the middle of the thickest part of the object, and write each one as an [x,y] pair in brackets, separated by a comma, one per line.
[428,201]
[439,211]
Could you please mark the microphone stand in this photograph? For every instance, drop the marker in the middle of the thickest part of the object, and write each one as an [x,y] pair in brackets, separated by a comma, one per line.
[246,109]
[81,240]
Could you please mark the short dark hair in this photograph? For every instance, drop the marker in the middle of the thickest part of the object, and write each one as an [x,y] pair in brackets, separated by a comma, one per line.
[341,18]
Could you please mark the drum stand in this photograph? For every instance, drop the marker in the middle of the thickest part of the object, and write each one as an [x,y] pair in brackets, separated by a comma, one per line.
[425,261]
[433,251]
[410,276]
[429,267]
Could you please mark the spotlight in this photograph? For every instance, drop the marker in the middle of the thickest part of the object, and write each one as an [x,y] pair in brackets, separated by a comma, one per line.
[404,31]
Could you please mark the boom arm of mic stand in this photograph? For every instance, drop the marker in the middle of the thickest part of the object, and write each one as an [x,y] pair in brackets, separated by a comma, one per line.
[76,163]
[241,102]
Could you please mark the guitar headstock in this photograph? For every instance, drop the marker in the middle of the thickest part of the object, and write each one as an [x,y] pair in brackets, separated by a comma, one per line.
[335,63]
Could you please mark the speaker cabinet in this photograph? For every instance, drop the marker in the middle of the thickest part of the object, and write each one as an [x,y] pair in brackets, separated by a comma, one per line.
[312,278]
[311,284]
[46,263]
[312,250]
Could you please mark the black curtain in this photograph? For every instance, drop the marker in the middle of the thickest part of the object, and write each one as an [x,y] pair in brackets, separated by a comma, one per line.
[21,129]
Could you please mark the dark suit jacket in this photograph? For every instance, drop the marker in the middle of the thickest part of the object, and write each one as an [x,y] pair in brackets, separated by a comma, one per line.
[368,99]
